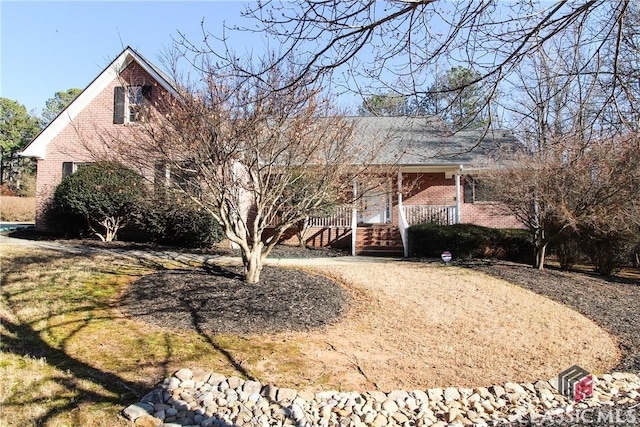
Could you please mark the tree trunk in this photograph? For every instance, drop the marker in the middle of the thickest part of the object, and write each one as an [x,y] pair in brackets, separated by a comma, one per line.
[252,262]
[303,227]
[111,226]
[1,167]
[540,256]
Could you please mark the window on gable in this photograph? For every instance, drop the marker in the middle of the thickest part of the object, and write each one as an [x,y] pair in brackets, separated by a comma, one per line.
[129,103]
[134,103]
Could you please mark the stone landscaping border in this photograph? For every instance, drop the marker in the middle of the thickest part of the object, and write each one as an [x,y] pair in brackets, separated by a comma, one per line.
[204,399]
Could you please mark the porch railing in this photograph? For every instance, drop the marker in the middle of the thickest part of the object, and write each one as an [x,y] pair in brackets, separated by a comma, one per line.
[340,218]
[419,214]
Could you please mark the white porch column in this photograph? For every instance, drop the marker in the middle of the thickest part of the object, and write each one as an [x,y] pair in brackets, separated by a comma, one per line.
[354,218]
[399,192]
[402,221]
[458,195]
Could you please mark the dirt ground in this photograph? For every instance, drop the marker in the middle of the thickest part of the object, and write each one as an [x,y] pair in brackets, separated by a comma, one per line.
[402,325]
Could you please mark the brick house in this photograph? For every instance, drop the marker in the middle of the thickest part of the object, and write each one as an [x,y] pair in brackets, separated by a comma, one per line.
[106,107]
[434,180]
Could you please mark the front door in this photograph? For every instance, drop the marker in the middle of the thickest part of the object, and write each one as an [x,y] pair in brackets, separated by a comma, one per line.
[374,209]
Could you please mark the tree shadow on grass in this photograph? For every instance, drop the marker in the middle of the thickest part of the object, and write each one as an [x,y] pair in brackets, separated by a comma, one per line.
[293,296]
[22,340]
[30,325]
[21,337]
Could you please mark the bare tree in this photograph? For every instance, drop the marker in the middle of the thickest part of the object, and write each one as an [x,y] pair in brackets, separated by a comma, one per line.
[398,45]
[562,89]
[562,118]
[242,151]
[572,186]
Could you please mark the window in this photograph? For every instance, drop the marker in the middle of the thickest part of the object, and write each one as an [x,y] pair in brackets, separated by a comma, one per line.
[134,103]
[69,168]
[129,102]
[474,191]
[177,176]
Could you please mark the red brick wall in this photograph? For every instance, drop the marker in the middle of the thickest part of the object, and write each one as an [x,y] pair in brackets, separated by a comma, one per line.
[487,215]
[428,189]
[436,189]
[84,139]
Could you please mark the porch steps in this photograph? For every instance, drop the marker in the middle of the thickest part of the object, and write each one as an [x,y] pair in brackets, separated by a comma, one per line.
[379,240]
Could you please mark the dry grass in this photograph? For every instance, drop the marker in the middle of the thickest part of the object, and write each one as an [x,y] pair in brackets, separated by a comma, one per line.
[17,209]
[69,357]
[432,325]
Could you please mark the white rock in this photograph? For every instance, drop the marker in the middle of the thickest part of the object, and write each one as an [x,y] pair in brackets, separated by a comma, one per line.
[188,384]
[251,387]
[390,406]
[297,412]
[452,415]
[475,397]
[514,388]
[378,396]
[398,395]
[399,417]
[235,382]
[173,383]
[488,407]
[435,394]
[137,410]
[465,392]
[215,379]
[450,394]
[369,417]
[420,396]
[184,374]
[379,421]
[498,391]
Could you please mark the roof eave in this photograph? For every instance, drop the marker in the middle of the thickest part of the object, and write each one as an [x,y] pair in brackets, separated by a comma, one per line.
[38,146]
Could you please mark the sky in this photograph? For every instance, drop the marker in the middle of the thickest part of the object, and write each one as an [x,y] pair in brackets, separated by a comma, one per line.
[51,46]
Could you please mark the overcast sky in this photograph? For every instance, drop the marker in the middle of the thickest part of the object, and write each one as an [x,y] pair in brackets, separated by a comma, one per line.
[51,46]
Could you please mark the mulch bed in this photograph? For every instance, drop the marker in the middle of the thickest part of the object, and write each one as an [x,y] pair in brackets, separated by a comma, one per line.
[294,300]
[218,301]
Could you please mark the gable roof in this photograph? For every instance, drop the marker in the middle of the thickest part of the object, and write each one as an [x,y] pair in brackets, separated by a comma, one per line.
[424,141]
[37,147]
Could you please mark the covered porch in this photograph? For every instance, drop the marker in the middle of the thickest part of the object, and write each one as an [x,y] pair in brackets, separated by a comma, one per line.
[378,221]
